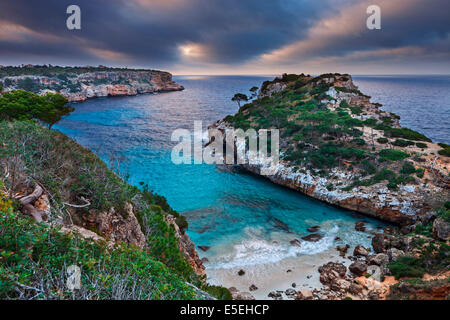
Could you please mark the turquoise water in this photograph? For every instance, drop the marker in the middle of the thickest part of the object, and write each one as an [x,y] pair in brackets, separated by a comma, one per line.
[245,219]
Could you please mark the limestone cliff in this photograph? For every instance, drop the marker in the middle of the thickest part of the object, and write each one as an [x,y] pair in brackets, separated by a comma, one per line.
[77,86]
[338,147]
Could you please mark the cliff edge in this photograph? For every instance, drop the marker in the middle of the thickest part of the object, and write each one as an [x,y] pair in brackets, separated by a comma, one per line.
[339,147]
[81,83]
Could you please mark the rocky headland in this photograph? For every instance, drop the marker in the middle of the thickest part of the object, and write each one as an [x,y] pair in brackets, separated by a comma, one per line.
[339,147]
[81,83]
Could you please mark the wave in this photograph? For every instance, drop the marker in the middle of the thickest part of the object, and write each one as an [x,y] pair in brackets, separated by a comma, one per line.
[256,251]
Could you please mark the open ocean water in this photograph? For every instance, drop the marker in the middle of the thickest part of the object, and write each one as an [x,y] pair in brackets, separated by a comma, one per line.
[245,219]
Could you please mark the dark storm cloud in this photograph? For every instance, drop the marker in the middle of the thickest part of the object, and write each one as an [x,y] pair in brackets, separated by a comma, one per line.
[151,31]
[222,33]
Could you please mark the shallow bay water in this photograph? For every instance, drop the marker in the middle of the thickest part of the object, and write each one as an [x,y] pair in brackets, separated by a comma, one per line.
[246,220]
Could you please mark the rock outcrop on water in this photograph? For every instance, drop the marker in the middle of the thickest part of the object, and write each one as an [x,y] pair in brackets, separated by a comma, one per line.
[339,147]
[79,85]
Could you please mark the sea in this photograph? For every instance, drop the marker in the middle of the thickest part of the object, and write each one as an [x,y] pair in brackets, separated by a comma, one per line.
[245,219]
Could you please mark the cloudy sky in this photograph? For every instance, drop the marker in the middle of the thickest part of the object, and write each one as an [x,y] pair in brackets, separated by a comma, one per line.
[231,36]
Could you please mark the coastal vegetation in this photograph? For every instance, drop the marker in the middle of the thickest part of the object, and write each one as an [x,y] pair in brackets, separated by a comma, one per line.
[319,138]
[69,221]
[56,71]
[337,146]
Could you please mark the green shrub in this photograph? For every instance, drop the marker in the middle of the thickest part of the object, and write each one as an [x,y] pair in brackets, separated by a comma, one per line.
[392,155]
[220,293]
[384,174]
[406,134]
[356,110]
[369,167]
[402,143]
[359,141]
[392,186]
[408,168]
[37,255]
[445,152]
[24,105]
[407,267]
[420,173]
[421,145]
[382,140]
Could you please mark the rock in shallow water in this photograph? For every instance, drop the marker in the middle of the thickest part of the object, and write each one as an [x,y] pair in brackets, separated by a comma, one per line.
[314,237]
[359,226]
[313,229]
[204,248]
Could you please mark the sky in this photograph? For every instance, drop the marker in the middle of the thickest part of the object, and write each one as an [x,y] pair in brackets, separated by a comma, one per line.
[231,36]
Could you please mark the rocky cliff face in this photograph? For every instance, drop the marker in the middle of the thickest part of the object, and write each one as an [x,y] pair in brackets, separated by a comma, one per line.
[360,179]
[79,87]
[187,248]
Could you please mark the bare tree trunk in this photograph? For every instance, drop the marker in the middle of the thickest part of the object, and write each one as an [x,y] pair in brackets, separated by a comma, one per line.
[27,203]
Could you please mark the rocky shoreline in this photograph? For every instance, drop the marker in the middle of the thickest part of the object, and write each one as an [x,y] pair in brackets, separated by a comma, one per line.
[401,206]
[83,86]
[408,261]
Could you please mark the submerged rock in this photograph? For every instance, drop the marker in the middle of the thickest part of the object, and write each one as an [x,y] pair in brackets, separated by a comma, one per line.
[359,226]
[295,242]
[204,248]
[342,250]
[314,237]
[313,229]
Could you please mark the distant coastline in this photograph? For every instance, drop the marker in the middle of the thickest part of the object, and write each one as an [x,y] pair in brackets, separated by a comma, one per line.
[81,83]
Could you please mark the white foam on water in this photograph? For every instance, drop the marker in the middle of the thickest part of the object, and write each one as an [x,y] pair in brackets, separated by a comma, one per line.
[257,251]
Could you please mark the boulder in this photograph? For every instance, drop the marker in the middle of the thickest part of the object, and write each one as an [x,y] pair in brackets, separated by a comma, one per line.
[331,272]
[441,229]
[304,295]
[341,285]
[378,259]
[428,217]
[378,243]
[360,251]
[237,295]
[204,248]
[241,272]
[290,292]
[275,295]
[394,254]
[295,242]
[314,237]
[359,226]
[358,268]
[355,288]
[313,229]
[342,250]
[253,288]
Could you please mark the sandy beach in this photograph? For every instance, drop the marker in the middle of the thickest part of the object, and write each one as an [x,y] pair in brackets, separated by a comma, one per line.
[278,276]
